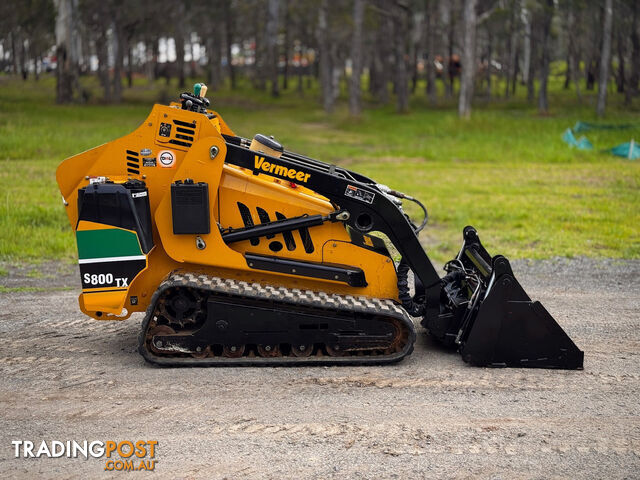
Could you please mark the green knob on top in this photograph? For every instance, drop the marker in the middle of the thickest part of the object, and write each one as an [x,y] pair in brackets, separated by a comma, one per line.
[196,89]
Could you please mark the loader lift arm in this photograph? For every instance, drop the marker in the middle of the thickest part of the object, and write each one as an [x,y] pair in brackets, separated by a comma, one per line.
[478,307]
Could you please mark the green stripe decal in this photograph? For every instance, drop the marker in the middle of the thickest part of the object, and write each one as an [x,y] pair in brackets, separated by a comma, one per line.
[107,243]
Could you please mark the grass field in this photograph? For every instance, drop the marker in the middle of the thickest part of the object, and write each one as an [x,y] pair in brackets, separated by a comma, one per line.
[506,171]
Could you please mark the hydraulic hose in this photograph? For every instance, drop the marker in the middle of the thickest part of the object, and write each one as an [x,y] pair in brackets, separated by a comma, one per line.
[424,209]
[398,194]
[412,307]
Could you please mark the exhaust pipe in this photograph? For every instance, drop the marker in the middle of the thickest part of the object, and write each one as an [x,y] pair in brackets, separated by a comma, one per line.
[486,314]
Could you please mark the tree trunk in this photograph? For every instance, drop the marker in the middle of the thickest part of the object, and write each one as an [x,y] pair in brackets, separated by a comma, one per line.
[287,45]
[621,54]
[37,66]
[24,61]
[258,79]
[489,60]
[573,65]
[634,76]
[511,48]
[119,46]
[431,9]
[193,72]
[595,42]
[543,100]
[356,59]
[576,80]
[129,65]
[468,58]
[228,28]
[514,73]
[531,85]
[605,58]
[568,77]
[66,51]
[336,72]
[149,60]
[589,73]
[179,43]
[414,69]
[85,38]
[271,35]
[414,46]
[102,52]
[383,57]
[447,72]
[401,80]
[575,59]
[324,47]
[300,85]
[14,56]
[213,58]
[526,60]
[156,54]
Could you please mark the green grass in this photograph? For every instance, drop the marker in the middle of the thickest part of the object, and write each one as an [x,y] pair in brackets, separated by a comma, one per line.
[506,171]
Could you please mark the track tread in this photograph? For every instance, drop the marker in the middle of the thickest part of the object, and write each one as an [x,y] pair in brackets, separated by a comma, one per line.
[294,297]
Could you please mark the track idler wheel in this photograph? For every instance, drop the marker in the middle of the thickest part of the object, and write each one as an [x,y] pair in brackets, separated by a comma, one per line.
[302,350]
[233,351]
[202,352]
[335,351]
[269,350]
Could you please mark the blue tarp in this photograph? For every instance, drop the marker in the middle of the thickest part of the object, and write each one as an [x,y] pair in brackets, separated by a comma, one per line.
[630,150]
[581,143]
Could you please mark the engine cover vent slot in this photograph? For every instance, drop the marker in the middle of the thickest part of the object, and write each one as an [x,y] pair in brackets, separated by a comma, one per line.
[191,125]
[184,133]
[306,239]
[179,142]
[247,219]
[288,236]
[133,162]
[264,218]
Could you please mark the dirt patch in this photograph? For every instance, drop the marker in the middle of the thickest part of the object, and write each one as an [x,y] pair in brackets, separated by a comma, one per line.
[67,377]
[45,275]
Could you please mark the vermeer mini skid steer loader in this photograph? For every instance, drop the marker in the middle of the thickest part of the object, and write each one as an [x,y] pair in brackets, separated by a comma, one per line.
[243,253]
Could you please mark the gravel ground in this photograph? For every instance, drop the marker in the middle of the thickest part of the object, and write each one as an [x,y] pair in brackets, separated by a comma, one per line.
[68,377]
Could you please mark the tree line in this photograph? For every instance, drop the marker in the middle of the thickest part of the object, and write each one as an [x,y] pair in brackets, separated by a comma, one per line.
[382,49]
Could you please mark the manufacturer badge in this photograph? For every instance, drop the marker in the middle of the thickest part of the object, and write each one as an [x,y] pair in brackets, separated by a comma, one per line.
[167,159]
[145,152]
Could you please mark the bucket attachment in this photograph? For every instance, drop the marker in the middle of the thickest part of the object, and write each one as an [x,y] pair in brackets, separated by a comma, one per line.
[486,314]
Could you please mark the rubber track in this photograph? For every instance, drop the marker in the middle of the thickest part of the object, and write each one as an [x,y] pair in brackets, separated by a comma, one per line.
[241,289]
